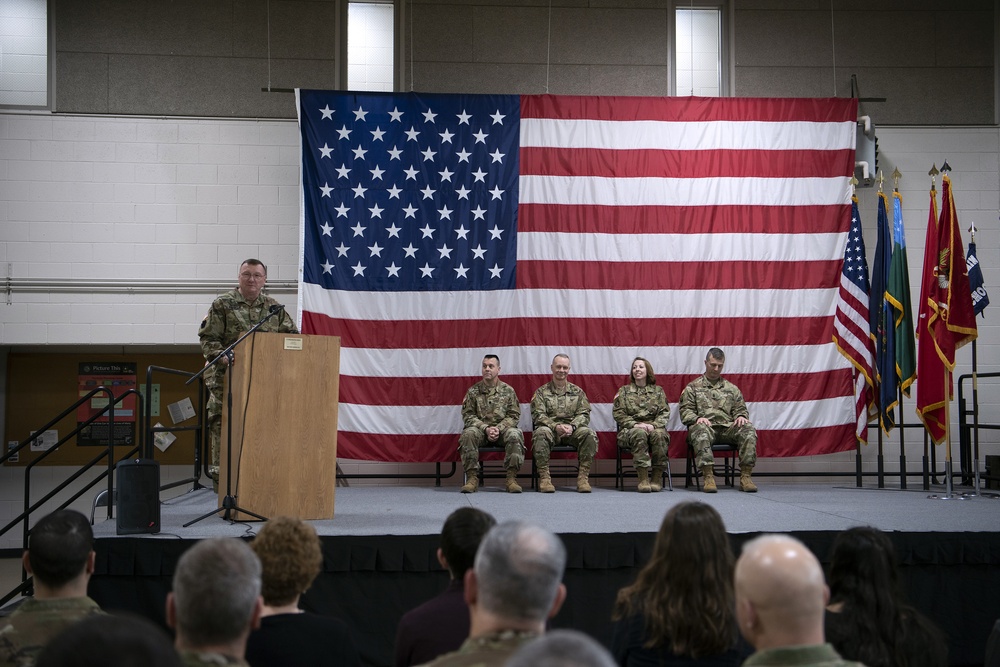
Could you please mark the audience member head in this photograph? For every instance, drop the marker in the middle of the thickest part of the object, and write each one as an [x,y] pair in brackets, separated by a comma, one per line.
[781,595]
[290,557]
[515,583]
[562,648]
[870,621]
[216,597]
[60,554]
[461,535]
[102,640]
[863,568]
[685,592]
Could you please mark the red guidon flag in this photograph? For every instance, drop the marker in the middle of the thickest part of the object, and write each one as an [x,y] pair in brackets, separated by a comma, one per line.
[947,320]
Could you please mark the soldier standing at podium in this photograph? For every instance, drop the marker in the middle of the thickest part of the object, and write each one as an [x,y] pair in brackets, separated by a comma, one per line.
[230,316]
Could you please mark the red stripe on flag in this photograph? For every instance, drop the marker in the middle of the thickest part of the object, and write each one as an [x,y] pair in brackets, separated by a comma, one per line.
[432,334]
[432,448]
[690,109]
[608,163]
[539,274]
[682,219]
[429,391]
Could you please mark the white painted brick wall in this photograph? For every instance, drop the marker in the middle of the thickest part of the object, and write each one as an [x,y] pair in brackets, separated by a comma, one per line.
[104,197]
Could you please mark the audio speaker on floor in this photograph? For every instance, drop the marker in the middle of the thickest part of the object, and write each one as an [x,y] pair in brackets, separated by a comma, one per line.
[138,497]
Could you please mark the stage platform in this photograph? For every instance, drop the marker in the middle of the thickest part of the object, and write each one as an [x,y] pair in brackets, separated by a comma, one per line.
[379,549]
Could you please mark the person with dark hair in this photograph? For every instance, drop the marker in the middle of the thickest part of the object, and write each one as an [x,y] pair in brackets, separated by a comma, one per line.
[215,602]
[490,413]
[60,560]
[291,556]
[641,411]
[230,316]
[514,587]
[110,641]
[867,619]
[713,409]
[680,610]
[441,624]
[562,648]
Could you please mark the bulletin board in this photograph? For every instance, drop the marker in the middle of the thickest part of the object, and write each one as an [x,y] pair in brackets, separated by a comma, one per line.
[41,385]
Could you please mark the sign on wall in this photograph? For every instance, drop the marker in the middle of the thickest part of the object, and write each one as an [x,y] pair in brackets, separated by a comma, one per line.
[118,377]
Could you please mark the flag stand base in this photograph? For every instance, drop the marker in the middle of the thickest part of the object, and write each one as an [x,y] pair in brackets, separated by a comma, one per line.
[948,488]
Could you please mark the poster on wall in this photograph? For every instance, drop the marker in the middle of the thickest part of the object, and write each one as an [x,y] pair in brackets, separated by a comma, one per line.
[118,377]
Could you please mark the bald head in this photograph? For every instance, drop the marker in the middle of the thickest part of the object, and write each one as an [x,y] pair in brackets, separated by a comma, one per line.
[780,593]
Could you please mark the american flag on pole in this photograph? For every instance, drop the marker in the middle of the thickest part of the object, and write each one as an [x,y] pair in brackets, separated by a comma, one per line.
[851,328]
[439,228]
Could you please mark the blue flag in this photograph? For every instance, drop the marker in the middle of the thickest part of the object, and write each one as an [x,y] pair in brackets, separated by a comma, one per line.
[882,321]
[980,299]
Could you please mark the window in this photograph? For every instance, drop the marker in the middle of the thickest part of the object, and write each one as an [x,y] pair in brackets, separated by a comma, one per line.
[24,48]
[700,53]
[370,53]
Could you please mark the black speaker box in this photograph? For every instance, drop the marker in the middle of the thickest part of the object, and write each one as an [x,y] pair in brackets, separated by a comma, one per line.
[138,497]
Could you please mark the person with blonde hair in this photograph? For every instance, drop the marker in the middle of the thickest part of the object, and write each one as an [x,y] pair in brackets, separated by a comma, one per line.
[680,610]
[291,557]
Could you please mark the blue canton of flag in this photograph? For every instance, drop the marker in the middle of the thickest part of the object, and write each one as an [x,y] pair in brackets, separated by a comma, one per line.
[409,192]
[855,261]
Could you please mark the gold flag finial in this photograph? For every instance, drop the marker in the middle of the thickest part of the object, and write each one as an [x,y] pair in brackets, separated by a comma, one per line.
[881,180]
[972,233]
[854,184]
[933,174]
[895,179]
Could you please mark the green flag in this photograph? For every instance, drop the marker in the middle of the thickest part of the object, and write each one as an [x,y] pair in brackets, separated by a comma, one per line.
[897,293]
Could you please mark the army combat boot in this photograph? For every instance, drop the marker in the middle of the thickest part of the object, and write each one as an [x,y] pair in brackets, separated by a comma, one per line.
[746,484]
[643,474]
[656,478]
[545,481]
[471,480]
[709,473]
[582,484]
[511,483]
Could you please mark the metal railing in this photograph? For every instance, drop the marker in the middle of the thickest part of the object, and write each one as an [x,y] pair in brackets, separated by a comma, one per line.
[107,455]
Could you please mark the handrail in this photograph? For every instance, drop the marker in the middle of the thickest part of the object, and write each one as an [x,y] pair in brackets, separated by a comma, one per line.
[965,444]
[108,452]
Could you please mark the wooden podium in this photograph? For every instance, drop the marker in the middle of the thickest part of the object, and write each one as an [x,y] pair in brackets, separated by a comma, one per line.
[285,389]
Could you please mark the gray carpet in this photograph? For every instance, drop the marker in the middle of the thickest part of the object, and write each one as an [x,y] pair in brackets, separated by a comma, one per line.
[394,510]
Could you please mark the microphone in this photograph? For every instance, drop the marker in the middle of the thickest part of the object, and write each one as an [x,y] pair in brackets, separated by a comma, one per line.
[275,308]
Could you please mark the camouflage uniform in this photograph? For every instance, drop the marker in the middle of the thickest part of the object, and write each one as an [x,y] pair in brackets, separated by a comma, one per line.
[643,405]
[549,408]
[491,406]
[228,318]
[721,403]
[29,628]
[492,650]
[202,659]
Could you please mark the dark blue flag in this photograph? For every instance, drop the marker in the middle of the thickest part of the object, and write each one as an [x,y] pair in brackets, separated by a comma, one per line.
[882,322]
[980,299]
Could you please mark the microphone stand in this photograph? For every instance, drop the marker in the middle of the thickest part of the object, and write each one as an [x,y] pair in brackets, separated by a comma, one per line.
[229,506]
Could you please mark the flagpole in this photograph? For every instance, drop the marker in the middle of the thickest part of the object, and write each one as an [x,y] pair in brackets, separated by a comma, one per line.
[948,483]
[977,489]
[902,421]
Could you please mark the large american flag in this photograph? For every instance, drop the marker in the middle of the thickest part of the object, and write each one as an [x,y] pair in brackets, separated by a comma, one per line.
[851,329]
[439,228]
